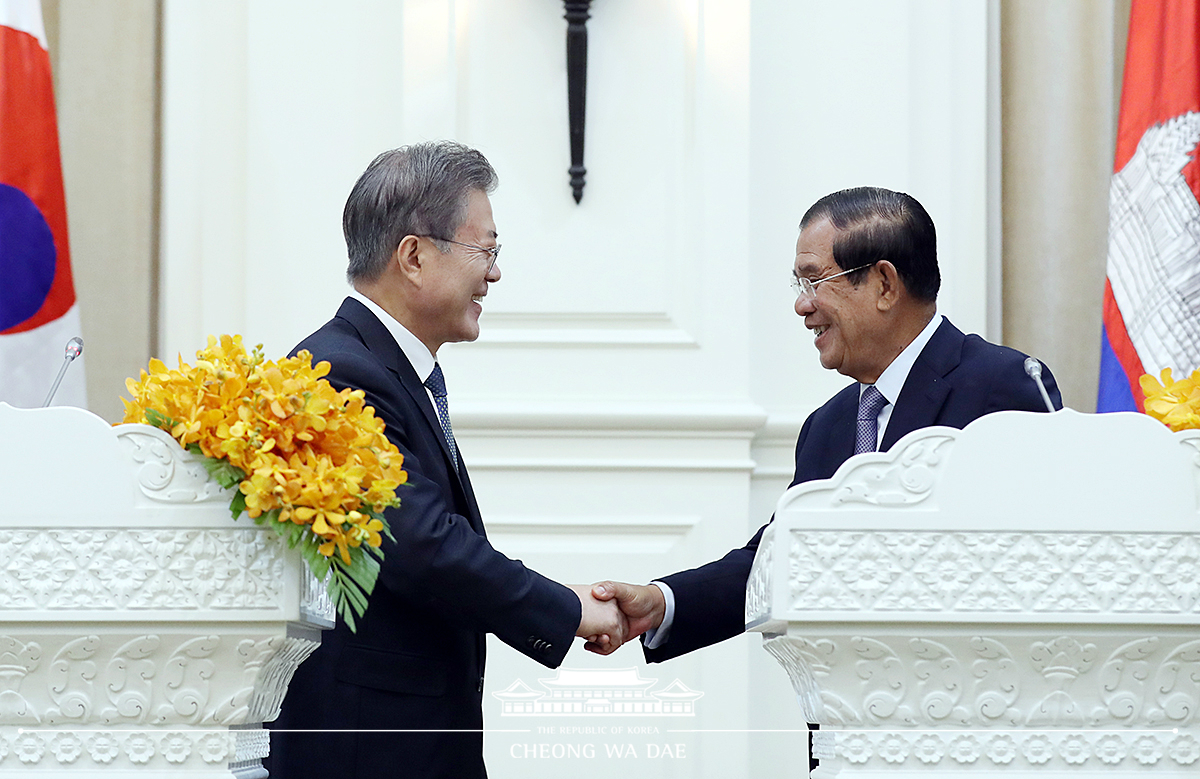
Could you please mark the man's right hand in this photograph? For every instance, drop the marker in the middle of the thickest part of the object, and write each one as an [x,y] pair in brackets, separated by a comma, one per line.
[642,604]
[601,623]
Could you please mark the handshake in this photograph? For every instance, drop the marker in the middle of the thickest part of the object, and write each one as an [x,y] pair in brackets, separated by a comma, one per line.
[616,612]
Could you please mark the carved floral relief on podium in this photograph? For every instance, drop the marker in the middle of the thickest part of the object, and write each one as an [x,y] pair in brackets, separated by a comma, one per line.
[902,481]
[167,472]
[115,568]
[1125,573]
[1007,693]
[89,694]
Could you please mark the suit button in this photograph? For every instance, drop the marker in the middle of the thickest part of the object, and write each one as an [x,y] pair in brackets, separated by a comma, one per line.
[481,684]
[531,641]
[547,647]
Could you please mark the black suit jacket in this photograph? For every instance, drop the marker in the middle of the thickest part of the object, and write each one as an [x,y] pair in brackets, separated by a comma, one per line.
[417,660]
[956,379]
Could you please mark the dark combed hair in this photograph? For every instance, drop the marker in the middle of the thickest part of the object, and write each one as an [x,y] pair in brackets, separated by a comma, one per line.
[414,190]
[877,224]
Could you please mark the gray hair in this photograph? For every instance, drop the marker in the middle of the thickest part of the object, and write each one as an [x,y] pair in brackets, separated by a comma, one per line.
[414,190]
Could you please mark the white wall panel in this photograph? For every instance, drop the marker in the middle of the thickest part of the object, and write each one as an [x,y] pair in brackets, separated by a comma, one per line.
[631,406]
[858,92]
[205,135]
[862,92]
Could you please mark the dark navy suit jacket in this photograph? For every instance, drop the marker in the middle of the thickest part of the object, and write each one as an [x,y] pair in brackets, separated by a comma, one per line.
[956,379]
[417,660]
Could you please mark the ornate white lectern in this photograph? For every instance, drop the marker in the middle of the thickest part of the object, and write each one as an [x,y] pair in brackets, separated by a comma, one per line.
[1020,596]
[143,632]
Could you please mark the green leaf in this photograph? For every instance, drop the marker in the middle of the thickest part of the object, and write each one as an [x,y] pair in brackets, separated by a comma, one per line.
[362,574]
[317,562]
[238,504]
[159,420]
[346,608]
[387,528]
[345,585]
[348,618]
[222,471]
[319,566]
[269,519]
[349,586]
[353,594]
[374,551]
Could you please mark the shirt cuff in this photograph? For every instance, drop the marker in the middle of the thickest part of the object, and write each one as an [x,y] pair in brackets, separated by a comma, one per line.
[656,637]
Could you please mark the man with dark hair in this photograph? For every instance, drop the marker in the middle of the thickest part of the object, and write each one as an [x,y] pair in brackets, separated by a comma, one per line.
[422,248]
[866,281]
[876,223]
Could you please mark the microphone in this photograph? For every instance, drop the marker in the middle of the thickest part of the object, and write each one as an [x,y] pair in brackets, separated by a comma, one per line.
[1034,369]
[74,349]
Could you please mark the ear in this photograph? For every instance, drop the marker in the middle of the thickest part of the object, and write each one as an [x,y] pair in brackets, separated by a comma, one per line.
[409,258]
[889,285]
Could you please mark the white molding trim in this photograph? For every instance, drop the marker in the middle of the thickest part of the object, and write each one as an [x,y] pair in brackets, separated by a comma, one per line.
[609,464]
[598,534]
[529,329]
[684,417]
[673,524]
[1088,750]
[774,446]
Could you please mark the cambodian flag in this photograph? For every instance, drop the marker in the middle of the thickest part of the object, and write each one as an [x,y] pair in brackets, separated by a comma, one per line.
[38,312]
[1152,298]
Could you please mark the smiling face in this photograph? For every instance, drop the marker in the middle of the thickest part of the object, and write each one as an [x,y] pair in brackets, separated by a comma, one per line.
[850,327]
[454,282]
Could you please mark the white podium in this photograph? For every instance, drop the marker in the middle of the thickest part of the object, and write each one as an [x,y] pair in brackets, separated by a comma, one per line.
[143,632]
[1022,596]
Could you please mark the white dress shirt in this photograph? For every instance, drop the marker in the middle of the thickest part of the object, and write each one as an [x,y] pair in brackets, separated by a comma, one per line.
[891,381]
[419,356]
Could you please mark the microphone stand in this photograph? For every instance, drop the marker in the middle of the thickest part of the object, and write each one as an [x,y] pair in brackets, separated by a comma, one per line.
[74,349]
[1034,369]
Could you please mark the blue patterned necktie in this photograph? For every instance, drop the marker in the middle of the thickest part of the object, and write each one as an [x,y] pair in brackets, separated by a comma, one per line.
[870,402]
[436,384]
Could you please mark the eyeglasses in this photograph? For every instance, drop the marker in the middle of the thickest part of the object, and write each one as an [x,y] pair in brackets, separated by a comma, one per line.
[491,251]
[807,288]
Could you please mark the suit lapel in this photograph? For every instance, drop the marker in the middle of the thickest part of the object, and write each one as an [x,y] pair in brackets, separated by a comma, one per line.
[469,493]
[841,442]
[380,342]
[926,388]
[827,438]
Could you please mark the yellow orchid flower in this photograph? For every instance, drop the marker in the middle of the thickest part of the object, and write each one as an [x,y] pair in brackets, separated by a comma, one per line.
[311,457]
[1174,403]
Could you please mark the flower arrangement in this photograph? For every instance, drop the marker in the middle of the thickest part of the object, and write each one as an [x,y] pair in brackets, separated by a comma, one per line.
[1174,403]
[307,460]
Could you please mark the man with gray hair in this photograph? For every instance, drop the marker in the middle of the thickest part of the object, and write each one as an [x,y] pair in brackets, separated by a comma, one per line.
[422,248]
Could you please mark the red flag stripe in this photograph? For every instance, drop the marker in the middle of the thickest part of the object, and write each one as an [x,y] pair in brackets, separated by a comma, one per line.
[1118,338]
[1162,74]
[29,156]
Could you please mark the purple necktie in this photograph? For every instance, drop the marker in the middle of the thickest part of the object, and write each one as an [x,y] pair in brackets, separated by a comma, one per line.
[869,404]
